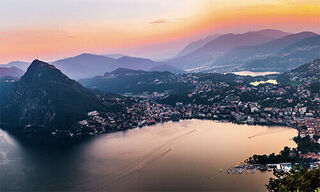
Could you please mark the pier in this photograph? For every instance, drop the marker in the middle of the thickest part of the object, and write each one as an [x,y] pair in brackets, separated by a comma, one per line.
[247,168]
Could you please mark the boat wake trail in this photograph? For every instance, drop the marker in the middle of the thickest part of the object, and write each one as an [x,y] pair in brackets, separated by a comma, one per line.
[265,133]
[134,167]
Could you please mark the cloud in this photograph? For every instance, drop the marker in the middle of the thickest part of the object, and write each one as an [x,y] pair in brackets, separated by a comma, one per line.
[159,21]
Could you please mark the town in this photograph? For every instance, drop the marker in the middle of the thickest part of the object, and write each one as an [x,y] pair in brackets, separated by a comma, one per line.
[234,99]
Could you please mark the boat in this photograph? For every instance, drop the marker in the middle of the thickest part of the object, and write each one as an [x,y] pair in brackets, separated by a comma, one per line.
[229,170]
[234,171]
[240,170]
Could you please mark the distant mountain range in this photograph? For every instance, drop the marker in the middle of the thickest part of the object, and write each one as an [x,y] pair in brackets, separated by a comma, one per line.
[10,72]
[196,45]
[90,65]
[244,53]
[280,55]
[19,64]
[218,47]
[115,56]
[264,50]
[45,97]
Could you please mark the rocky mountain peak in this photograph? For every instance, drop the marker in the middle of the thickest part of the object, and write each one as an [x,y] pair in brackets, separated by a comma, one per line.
[41,71]
[45,97]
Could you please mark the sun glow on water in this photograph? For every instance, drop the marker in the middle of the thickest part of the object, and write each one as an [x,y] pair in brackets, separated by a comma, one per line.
[271,81]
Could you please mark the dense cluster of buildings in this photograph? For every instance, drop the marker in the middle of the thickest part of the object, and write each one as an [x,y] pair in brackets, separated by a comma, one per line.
[139,114]
[287,167]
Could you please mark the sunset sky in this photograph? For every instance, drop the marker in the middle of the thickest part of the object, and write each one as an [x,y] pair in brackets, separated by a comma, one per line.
[53,29]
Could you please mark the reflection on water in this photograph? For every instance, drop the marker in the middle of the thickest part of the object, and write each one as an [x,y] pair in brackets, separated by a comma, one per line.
[254,74]
[271,81]
[172,156]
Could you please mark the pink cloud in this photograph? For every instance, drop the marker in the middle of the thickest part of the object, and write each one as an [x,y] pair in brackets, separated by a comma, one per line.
[159,21]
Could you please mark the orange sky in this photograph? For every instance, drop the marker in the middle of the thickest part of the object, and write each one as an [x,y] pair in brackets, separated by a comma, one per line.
[147,28]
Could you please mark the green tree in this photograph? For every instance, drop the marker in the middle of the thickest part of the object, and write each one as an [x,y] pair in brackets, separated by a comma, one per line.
[298,180]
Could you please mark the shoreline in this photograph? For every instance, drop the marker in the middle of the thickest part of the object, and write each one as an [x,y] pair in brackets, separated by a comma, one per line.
[46,139]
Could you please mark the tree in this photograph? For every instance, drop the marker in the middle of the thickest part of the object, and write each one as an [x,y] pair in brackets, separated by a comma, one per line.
[299,180]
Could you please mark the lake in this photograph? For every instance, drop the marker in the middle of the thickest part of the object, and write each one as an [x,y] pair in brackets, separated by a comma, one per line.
[254,74]
[174,156]
[270,81]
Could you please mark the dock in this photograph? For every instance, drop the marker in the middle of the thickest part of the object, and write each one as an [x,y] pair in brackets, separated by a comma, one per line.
[246,168]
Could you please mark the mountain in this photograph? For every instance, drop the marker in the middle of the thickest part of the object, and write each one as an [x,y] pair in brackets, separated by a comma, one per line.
[90,65]
[10,72]
[272,33]
[304,74]
[114,56]
[137,63]
[85,65]
[279,44]
[168,68]
[45,97]
[216,48]
[19,64]
[124,71]
[244,54]
[288,58]
[132,81]
[196,45]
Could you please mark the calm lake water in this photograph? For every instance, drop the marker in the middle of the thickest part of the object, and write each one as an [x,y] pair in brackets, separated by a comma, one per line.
[185,155]
[270,81]
[254,74]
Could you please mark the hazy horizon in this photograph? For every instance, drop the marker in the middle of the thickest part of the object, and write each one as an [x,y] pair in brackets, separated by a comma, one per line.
[182,44]
[156,29]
